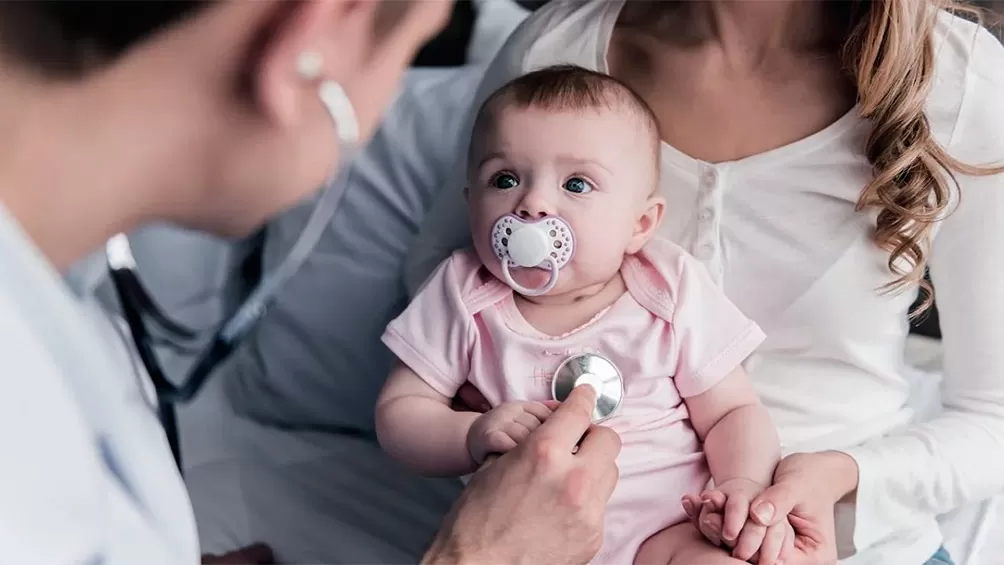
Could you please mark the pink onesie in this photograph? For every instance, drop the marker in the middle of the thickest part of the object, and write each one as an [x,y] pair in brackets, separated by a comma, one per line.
[673,335]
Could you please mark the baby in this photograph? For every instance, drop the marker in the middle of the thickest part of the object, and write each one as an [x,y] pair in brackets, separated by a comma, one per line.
[563,173]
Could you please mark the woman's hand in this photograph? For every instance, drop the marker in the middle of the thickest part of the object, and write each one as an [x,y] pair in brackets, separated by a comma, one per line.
[806,487]
[542,502]
[748,539]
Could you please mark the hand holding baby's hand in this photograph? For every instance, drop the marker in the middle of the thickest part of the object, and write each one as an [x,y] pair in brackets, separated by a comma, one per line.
[502,428]
[749,541]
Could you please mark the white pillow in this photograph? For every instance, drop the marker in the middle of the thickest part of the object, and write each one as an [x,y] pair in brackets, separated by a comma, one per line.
[317,360]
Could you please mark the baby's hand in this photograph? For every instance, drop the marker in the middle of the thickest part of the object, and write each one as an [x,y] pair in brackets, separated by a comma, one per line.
[749,541]
[503,427]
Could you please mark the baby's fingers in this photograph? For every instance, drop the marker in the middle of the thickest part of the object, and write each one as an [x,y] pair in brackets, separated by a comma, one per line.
[714,500]
[528,421]
[518,432]
[737,511]
[538,410]
[499,441]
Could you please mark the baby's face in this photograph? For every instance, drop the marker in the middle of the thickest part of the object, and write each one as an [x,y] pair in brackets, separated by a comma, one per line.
[594,169]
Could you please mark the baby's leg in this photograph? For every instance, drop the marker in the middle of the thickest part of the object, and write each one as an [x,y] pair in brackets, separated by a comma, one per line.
[682,544]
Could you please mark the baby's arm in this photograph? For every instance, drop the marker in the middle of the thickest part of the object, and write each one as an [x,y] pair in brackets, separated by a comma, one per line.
[433,340]
[742,449]
[416,425]
[740,442]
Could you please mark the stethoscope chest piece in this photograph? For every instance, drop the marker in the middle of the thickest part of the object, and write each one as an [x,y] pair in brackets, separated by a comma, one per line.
[594,370]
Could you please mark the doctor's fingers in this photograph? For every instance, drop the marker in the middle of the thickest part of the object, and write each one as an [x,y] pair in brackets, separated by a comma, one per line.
[598,453]
[565,427]
[599,446]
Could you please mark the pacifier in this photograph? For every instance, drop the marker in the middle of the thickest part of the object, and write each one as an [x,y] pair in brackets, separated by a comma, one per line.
[547,244]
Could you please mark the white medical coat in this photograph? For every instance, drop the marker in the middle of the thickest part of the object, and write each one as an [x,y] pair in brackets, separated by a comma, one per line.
[86,474]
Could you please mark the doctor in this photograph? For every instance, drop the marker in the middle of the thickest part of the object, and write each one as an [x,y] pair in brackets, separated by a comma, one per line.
[117,114]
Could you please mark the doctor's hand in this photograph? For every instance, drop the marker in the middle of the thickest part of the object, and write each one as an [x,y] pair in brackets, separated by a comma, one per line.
[502,428]
[543,501]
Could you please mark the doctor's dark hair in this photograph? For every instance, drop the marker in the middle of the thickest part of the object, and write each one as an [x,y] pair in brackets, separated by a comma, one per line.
[66,38]
[563,88]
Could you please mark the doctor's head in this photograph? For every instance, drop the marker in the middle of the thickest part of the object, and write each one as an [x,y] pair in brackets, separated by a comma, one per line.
[209,97]
[568,143]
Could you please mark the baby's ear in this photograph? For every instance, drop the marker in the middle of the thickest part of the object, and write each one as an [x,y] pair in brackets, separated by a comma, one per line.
[647,223]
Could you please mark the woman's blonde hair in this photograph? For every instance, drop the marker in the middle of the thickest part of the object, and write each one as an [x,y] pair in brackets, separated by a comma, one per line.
[890,53]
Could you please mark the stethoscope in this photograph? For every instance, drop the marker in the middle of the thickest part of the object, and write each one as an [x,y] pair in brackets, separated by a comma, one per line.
[149,326]
[591,369]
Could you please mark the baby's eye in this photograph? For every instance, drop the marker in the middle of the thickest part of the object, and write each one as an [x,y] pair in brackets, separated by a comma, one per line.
[504,181]
[577,185]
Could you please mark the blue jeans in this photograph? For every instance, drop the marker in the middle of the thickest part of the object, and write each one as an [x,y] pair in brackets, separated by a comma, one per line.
[940,557]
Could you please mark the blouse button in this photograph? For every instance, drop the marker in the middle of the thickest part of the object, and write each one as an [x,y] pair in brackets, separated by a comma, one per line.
[706,214]
[710,177]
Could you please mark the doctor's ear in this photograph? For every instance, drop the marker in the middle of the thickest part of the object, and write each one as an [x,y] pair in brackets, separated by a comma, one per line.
[647,223]
[308,41]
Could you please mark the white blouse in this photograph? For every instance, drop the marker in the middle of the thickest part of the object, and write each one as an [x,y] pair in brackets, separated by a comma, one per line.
[780,233]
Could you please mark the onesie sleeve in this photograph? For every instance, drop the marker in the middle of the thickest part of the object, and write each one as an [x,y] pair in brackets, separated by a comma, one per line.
[711,336]
[434,335]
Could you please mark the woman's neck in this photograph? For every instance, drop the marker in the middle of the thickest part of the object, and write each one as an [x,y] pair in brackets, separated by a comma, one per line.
[70,179]
[745,33]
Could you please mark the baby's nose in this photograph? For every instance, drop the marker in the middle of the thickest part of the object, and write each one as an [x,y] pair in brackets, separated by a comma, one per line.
[534,207]
[528,214]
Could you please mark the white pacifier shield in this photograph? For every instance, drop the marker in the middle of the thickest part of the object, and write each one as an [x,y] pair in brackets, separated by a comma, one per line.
[528,246]
[521,242]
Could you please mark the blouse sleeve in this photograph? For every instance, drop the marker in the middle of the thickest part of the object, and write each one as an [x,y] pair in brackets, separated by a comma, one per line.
[434,336]
[958,457]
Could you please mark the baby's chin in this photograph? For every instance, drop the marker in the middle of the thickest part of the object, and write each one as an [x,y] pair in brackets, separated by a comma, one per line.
[531,278]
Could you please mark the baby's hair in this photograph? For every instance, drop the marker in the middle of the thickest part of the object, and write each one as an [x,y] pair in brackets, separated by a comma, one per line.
[564,88]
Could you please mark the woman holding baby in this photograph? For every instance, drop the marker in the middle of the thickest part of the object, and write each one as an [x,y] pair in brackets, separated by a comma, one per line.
[818,158]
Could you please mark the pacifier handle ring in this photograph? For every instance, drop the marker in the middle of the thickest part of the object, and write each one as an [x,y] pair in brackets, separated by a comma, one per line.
[552,281]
